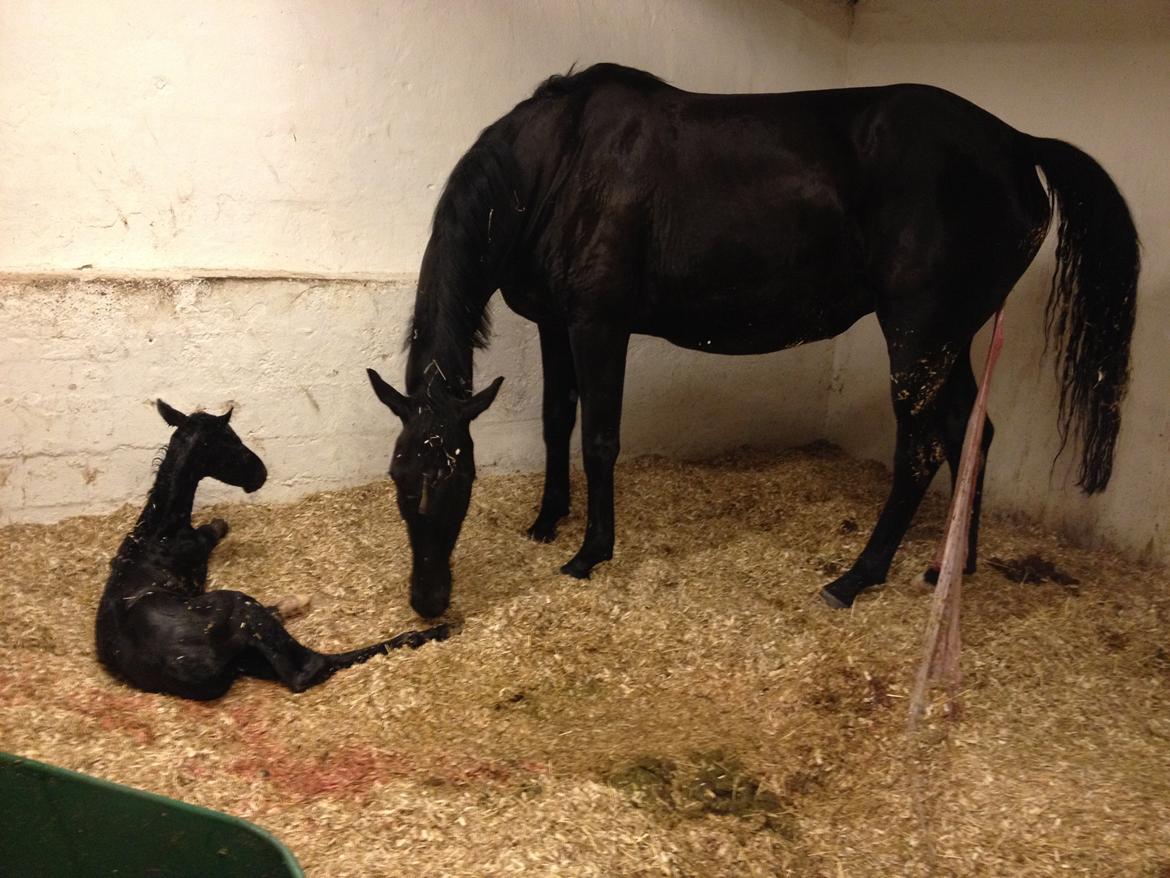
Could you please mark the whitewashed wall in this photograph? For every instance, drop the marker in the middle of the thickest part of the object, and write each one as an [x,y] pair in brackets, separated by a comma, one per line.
[83,361]
[246,188]
[271,167]
[313,136]
[1096,75]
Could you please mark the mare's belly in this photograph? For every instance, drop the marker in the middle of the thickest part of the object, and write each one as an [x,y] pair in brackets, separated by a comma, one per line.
[735,320]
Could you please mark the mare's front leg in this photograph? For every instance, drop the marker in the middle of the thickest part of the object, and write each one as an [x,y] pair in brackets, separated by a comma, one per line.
[599,357]
[558,414]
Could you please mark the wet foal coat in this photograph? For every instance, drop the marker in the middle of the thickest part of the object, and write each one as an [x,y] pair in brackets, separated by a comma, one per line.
[159,629]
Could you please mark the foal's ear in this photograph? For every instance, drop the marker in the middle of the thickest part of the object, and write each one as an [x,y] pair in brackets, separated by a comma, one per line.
[478,404]
[390,397]
[226,417]
[172,416]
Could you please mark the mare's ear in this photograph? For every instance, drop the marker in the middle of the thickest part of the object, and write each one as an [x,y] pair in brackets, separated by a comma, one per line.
[390,397]
[226,417]
[478,404]
[172,416]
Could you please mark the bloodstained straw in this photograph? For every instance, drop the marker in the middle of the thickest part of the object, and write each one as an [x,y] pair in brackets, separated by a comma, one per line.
[940,659]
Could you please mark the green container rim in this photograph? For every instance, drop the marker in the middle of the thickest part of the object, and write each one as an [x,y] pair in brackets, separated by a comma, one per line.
[9,760]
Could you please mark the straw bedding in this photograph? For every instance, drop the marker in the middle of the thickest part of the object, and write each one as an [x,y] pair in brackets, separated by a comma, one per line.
[689,711]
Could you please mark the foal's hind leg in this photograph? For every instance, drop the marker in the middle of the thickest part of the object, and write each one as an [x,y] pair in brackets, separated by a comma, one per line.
[295,665]
[558,414]
[244,630]
[916,383]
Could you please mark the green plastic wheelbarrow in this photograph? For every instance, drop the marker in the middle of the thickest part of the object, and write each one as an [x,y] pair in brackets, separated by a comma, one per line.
[56,823]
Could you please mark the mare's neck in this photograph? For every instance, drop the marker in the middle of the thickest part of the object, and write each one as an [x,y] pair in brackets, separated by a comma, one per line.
[449,323]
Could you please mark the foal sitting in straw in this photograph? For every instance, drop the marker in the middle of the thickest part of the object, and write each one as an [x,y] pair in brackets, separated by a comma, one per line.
[158,627]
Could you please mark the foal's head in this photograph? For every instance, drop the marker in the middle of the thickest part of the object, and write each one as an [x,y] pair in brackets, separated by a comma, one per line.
[433,467]
[210,448]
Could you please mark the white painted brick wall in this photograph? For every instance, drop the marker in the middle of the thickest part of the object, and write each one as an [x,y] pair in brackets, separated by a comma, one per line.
[82,361]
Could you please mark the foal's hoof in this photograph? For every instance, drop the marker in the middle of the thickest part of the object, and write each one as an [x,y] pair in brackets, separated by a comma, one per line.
[292,606]
[446,630]
[219,527]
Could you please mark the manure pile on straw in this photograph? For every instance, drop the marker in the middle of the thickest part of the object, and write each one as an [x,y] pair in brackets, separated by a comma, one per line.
[691,710]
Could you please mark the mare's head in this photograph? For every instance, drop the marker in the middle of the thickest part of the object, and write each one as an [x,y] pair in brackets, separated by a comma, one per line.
[210,448]
[433,467]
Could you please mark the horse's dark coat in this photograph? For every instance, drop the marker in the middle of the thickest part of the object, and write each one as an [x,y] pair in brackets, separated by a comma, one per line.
[611,203]
[158,627]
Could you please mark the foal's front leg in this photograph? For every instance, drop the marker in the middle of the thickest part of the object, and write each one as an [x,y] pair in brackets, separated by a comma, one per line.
[599,356]
[211,533]
[558,414]
[196,554]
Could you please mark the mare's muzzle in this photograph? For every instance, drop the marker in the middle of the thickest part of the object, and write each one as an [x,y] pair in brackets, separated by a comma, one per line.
[430,588]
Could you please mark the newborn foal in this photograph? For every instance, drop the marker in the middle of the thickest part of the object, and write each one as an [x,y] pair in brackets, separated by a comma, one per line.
[157,626]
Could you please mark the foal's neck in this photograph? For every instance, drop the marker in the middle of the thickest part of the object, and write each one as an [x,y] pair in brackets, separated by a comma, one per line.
[168,507]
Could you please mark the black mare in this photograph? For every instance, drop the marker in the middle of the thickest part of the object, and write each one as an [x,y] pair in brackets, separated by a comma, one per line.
[610,203]
[159,629]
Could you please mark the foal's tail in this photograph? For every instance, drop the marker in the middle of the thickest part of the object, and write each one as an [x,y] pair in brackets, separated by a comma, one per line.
[1090,311]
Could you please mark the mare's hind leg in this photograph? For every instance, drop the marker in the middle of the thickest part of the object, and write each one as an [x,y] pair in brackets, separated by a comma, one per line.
[916,384]
[558,414]
[599,356]
[956,404]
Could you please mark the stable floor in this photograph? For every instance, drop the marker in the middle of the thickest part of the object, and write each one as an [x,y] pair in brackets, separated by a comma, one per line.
[691,710]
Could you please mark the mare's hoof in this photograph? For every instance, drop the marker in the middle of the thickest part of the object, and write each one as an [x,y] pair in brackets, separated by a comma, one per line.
[930,574]
[219,527]
[541,532]
[577,569]
[581,566]
[833,601]
[843,591]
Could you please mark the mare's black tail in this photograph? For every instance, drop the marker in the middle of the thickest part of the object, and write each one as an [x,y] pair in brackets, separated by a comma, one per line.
[1090,311]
